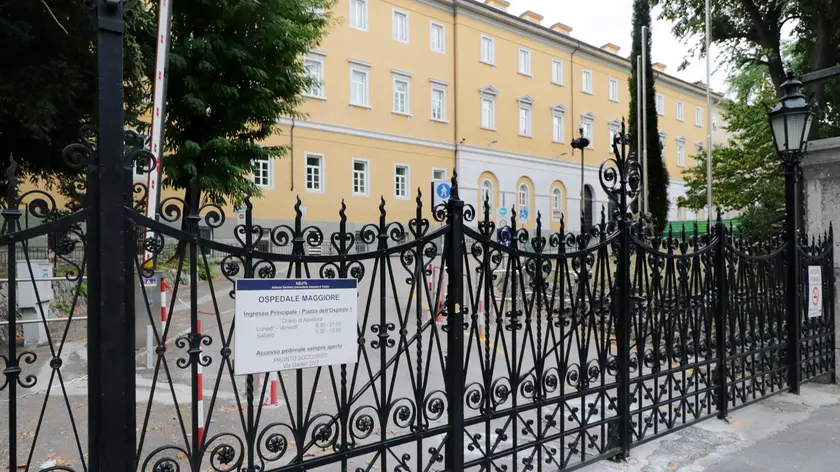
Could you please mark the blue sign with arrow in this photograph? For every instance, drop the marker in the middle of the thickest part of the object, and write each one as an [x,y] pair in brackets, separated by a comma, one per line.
[502,211]
[523,213]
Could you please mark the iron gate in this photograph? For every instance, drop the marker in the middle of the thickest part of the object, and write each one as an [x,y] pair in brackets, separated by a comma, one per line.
[543,350]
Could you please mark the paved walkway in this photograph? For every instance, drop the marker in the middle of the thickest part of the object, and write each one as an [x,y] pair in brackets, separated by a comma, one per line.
[783,433]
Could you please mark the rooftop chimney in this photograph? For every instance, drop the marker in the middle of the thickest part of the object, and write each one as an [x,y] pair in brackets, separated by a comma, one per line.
[610,47]
[498,4]
[532,17]
[561,28]
[659,66]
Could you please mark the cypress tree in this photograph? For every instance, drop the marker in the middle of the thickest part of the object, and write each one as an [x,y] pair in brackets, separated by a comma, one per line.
[656,171]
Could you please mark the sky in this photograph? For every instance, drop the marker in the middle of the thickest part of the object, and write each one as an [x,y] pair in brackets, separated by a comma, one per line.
[598,22]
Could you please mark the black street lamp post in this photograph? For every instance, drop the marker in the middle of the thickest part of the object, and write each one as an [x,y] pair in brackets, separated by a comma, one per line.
[581,143]
[790,122]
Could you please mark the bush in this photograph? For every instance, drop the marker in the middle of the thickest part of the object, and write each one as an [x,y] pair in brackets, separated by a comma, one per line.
[761,223]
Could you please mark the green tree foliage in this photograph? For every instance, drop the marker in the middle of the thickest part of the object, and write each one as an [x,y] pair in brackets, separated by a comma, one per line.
[48,79]
[749,32]
[747,176]
[235,67]
[656,171]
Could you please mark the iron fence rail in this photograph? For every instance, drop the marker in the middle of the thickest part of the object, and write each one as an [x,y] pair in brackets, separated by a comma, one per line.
[522,350]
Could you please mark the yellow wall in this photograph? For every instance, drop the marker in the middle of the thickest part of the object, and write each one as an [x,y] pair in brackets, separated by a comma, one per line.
[377,48]
[341,132]
[338,152]
[504,77]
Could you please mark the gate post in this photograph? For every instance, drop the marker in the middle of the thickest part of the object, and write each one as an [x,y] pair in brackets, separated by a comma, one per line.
[793,169]
[623,310]
[455,331]
[720,318]
[111,393]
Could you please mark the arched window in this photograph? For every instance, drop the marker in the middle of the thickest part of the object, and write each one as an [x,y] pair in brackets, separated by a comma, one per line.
[556,204]
[587,207]
[487,196]
[523,196]
[524,199]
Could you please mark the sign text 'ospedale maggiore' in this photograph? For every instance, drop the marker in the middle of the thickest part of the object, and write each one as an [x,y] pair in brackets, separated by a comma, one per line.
[294,324]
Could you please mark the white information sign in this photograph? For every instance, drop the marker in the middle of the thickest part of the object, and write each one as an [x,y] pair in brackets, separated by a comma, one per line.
[815,294]
[294,324]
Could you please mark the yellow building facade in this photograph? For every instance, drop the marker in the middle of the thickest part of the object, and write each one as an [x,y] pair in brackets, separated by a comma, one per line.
[411,90]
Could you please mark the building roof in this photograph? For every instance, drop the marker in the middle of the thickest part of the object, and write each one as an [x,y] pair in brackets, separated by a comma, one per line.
[563,38]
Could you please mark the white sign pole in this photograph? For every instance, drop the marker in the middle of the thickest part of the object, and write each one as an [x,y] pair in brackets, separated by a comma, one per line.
[815,291]
[158,110]
[294,324]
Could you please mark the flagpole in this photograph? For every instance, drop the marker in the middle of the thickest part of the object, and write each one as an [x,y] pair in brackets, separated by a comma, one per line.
[639,107]
[709,114]
[645,193]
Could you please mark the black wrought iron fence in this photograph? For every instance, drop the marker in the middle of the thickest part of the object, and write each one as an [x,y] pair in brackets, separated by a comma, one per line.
[541,350]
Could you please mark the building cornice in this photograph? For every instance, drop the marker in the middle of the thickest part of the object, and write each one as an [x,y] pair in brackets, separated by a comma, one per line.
[480,151]
[363,133]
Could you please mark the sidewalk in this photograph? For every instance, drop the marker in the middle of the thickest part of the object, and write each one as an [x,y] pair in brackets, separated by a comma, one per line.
[783,433]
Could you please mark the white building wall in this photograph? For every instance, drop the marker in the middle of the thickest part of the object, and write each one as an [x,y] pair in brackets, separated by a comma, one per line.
[508,168]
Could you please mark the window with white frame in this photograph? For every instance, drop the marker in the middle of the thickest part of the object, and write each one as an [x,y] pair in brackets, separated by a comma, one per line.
[314,172]
[401,181]
[488,50]
[662,137]
[360,177]
[556,204]
[698,116]
[401,96]
[437,35]
[488,108]
[488,112]
[524,61]
[358,14]
[400,26]
[558,125]
[524,198]
[587,132]
[699,149]
[359,87]
[680,111]
[586,81]
[660,104]
[315,72]
[681,152]
[262,173]
[487,195]
[525,116]
[588,125]
[438,174]
[557,71]
[438,103]
[613,89]
[614,127]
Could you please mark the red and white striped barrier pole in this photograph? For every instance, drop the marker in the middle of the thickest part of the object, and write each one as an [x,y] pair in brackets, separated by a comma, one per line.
[162,309]
[273,400]
[432,276]
[199,404]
